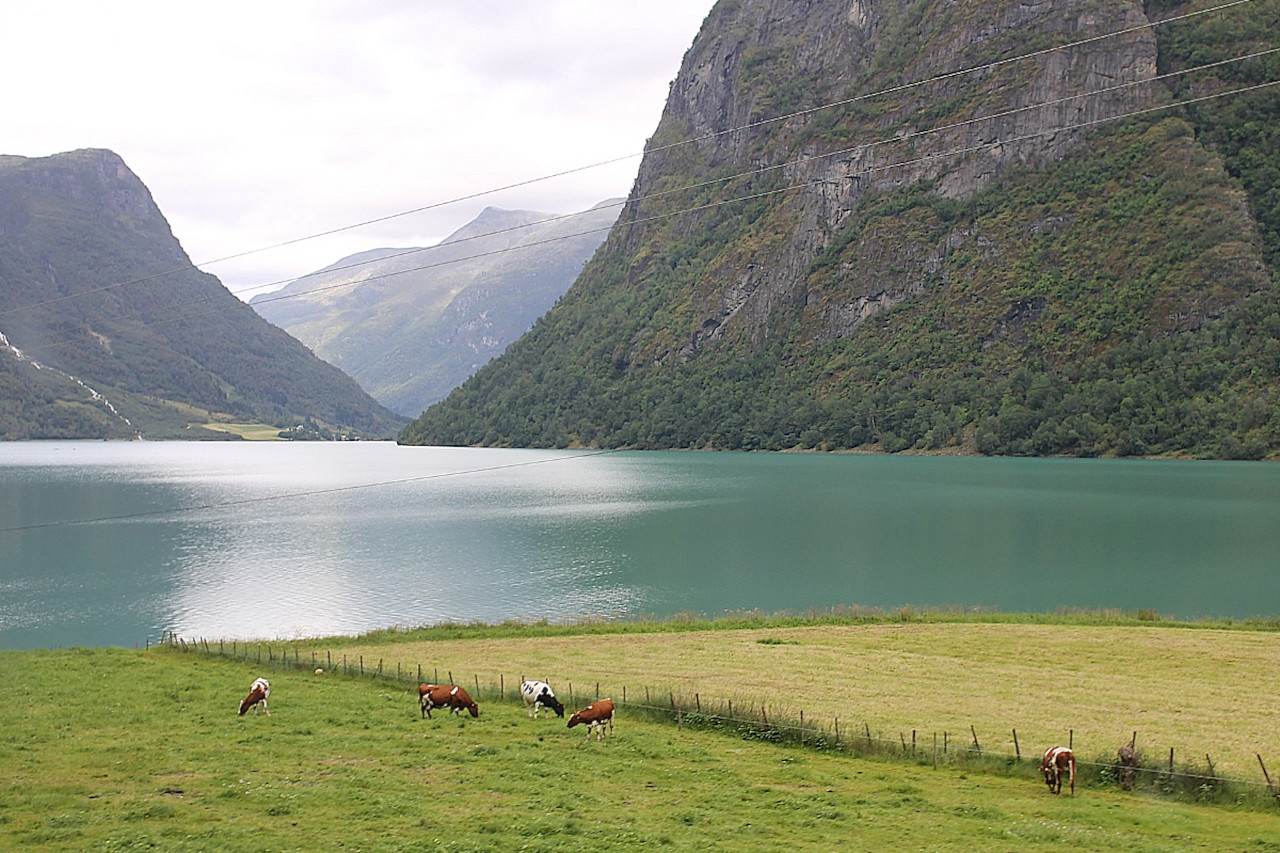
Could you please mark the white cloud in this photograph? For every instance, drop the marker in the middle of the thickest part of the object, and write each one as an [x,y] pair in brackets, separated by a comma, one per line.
[258,123]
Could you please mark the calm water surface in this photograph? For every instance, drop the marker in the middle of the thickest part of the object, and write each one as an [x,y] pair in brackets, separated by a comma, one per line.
[115,543]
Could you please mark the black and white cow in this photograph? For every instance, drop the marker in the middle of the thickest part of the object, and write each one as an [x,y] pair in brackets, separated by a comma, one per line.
[538,695]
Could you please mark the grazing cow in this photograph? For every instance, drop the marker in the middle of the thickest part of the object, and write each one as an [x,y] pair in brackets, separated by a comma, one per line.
[258,693]
[1057,762]
[537,695]
[445,696]
[597,715]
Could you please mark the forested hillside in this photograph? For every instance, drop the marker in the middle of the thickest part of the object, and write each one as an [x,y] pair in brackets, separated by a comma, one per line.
[993,228]
[109,332]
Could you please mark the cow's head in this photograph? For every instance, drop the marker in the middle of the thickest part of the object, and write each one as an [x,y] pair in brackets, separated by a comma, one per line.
[473,708]
[552,702]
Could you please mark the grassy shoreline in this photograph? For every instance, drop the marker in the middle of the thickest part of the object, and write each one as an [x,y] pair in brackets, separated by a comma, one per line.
[116,749]
[1018,683]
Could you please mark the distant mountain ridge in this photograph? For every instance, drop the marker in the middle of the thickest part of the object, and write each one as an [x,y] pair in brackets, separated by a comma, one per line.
[922,225]
[411,324]
[109,332]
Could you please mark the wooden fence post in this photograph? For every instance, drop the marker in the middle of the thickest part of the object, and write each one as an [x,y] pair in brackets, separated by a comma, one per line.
[1016,751]
[1266,775]
[976,745]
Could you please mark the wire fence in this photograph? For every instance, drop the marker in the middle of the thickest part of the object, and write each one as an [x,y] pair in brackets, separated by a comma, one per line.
[1130,769]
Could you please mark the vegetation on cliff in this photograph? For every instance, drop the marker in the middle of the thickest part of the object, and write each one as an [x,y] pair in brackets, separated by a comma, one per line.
[1104,292]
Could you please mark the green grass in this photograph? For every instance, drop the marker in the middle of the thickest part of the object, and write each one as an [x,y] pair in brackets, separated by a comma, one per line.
[142,750]
[249,432]
[1090,679]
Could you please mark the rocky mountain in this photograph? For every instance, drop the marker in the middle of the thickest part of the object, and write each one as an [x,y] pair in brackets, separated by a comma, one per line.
[1006,227]
[411,324]
[107,331]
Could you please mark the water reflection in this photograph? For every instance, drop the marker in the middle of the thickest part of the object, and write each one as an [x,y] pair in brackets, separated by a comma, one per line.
[242,540]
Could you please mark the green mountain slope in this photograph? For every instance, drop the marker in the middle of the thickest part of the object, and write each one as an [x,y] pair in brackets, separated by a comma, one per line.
[82,357]
[1040,256]
[411,324]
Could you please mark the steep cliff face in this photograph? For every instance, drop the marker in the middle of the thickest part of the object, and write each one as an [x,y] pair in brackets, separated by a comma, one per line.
[108,331]
[928,96]
[926,224]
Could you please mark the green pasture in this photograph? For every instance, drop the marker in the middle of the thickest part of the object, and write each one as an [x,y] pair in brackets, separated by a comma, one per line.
[1211,694]
[249,432]
[111,749]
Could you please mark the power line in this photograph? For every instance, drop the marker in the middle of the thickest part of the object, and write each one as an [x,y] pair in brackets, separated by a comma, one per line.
[694,140]
[995,144]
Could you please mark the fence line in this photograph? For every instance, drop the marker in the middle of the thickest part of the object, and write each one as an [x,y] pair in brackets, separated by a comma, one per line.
[692,712]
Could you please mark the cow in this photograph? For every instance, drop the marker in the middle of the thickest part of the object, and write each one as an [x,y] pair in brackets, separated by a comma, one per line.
[597,715]
[258,693]
[445,696]
[537,695]
[1057,762]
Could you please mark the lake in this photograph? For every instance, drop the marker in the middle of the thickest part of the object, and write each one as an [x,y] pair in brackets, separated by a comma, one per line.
[106,543]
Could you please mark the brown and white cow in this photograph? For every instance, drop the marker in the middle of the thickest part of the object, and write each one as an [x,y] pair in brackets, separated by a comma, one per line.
[1058,761]
[445,696]
[258,693]
[597,715]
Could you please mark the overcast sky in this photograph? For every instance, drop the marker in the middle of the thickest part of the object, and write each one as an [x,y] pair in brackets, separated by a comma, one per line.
[255,123]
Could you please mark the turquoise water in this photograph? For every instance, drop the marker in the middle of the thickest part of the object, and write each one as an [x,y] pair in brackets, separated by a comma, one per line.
[115,543]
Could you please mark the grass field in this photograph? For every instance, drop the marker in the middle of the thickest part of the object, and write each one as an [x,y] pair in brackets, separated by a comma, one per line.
[1198,691]
[249,432]
[111,749]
